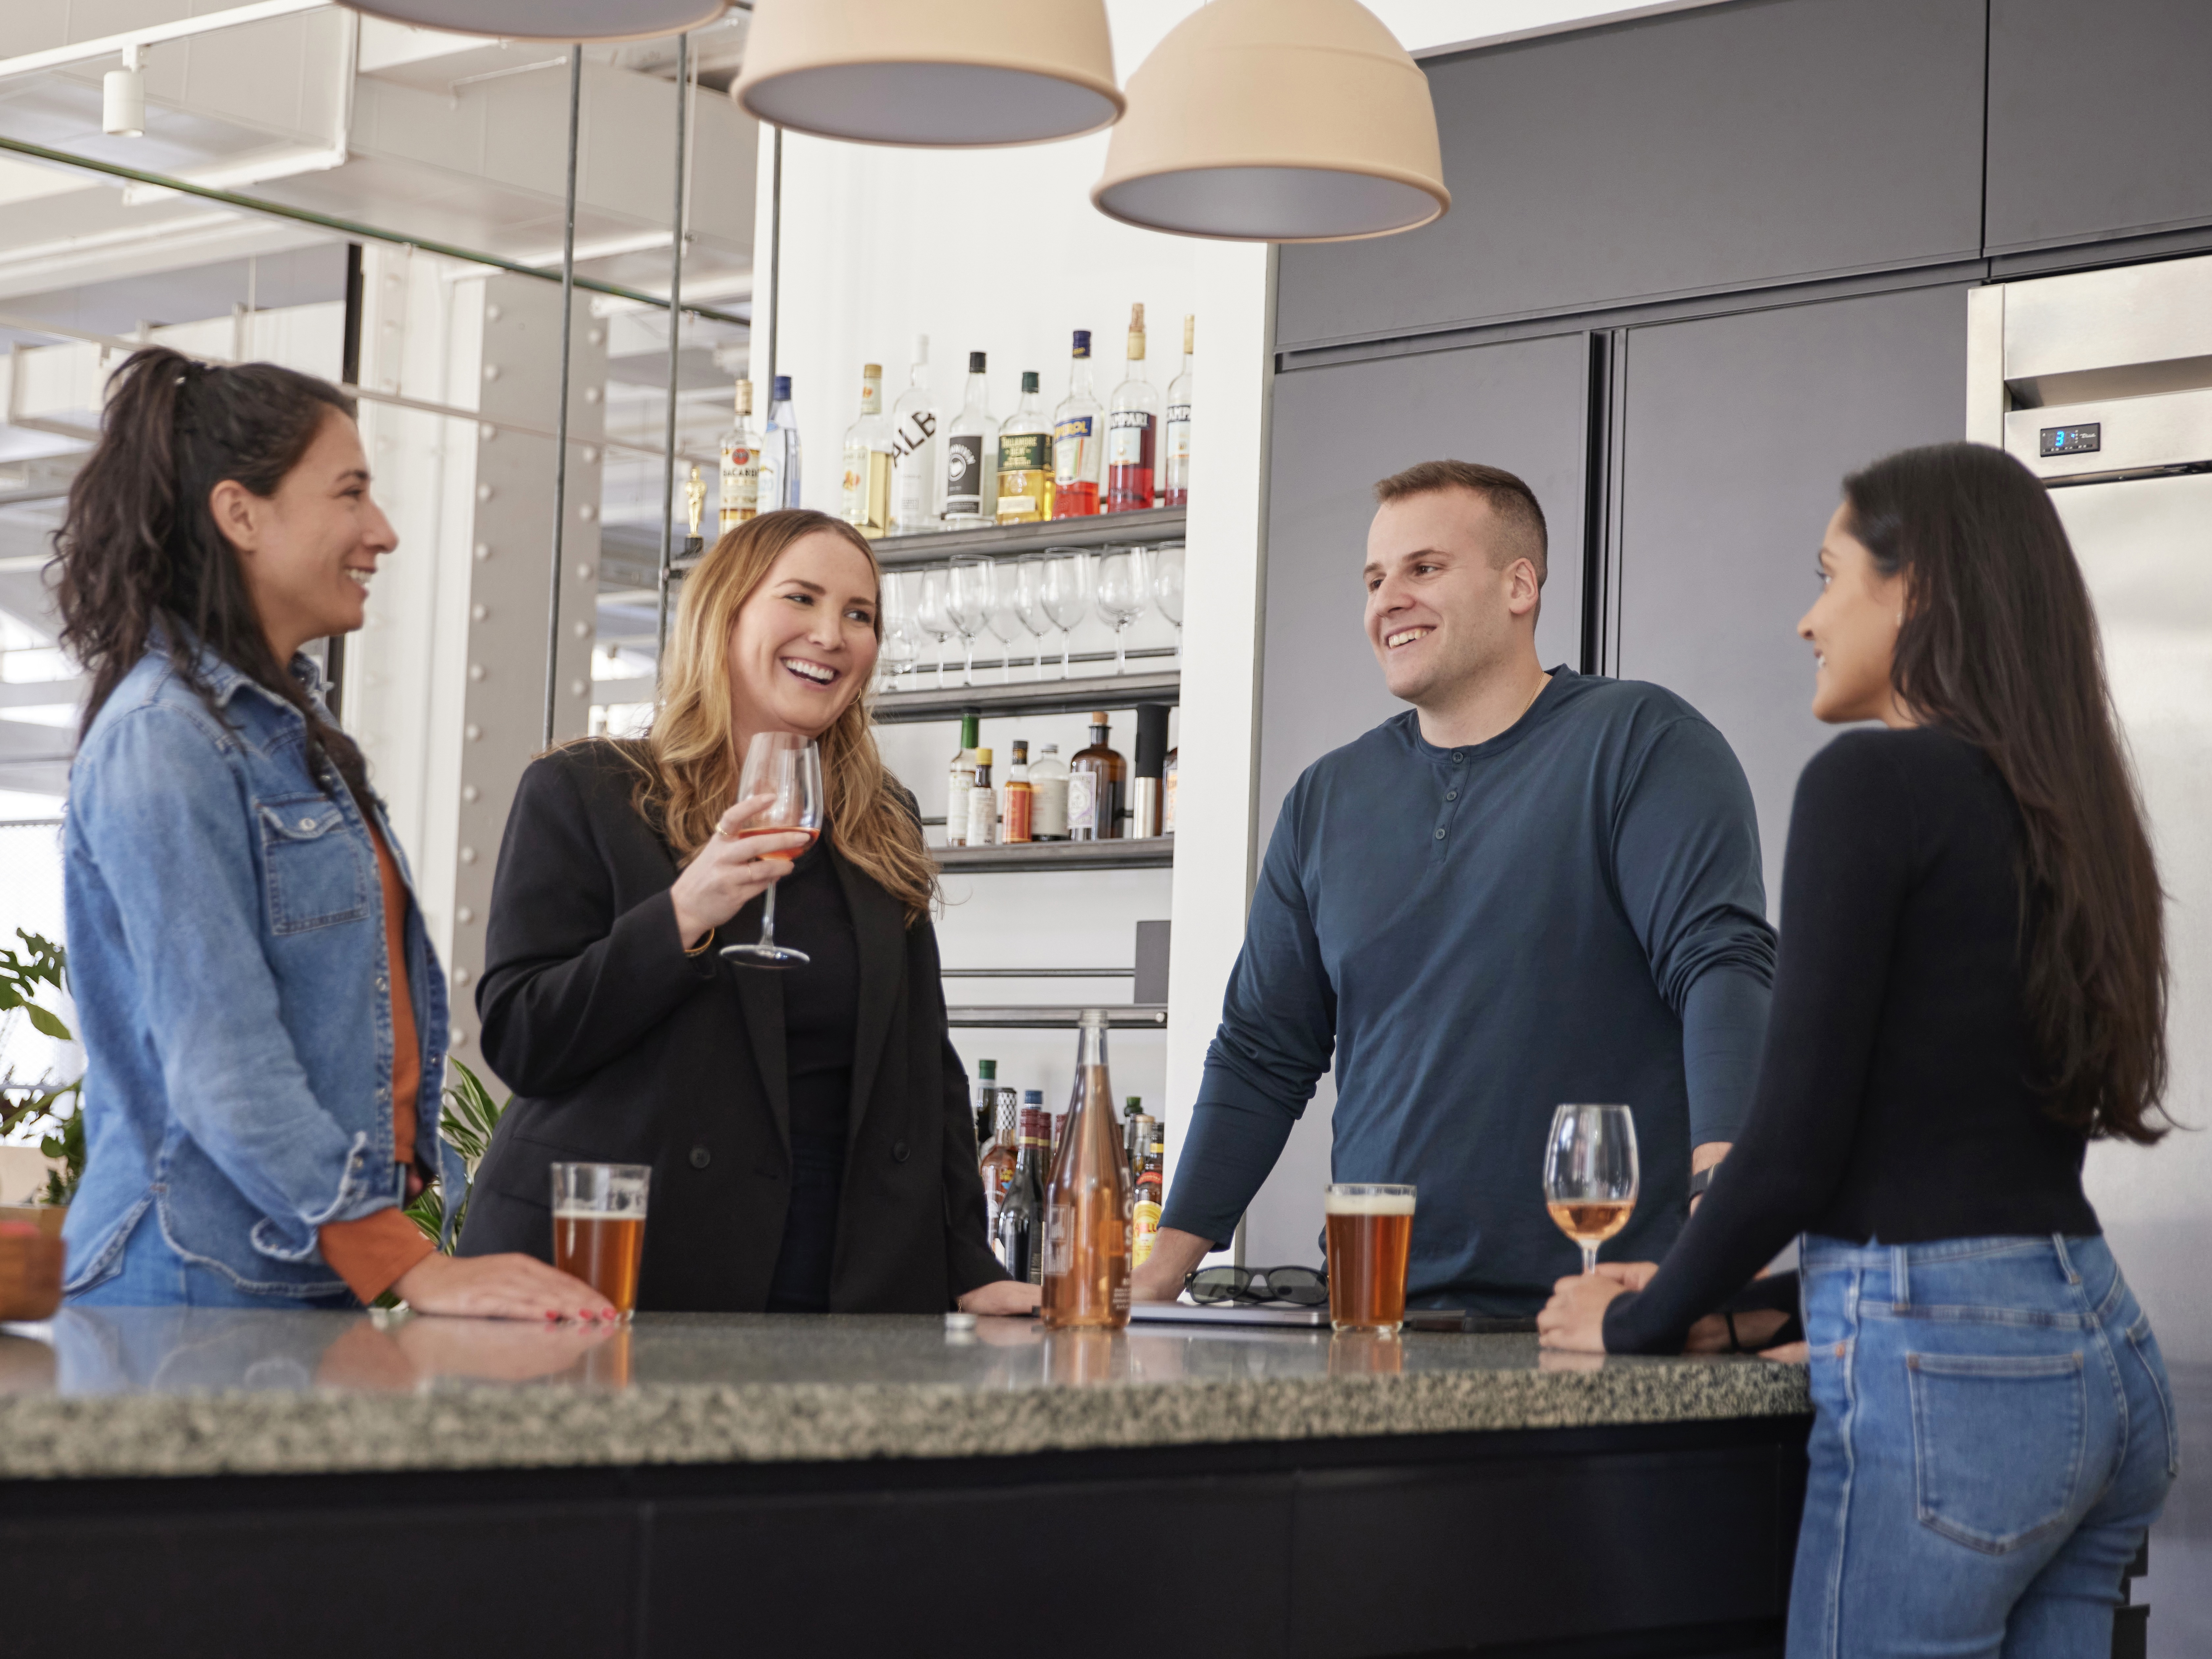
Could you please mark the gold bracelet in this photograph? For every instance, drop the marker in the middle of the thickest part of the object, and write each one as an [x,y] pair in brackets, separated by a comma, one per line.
[700,949]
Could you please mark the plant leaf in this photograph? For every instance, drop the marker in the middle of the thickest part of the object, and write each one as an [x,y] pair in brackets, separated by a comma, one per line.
[48,1023]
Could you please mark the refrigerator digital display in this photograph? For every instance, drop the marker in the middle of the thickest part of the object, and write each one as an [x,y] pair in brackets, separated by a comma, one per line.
[2073,439]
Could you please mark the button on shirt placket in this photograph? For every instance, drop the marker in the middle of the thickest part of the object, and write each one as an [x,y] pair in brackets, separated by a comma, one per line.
[1455,776]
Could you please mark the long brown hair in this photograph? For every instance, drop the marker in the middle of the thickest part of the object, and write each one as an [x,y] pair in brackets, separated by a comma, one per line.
[138,547]
[1999,645]
[688,760]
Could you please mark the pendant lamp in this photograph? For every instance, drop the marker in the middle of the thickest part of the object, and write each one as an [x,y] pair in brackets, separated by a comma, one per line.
[1276,121]
[937,72]
[550,20]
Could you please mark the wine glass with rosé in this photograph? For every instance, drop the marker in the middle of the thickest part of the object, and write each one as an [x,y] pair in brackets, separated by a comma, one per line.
[1590,1175]
[787,768]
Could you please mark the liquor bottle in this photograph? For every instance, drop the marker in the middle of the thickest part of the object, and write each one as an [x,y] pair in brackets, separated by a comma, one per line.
[1145,767]
[1078,440]
[961,781]
[741,465]
[1174,465]
[1133,1132]
[1151,1180]
[1000,1156]
[779,467]
[695,508]
[1167,791]
[1025,476]
[1021,1235]
[971,454]
[867,503]
[1048,776]
[1133,430]
[982,805]
[1086,1253]
[1097,780]
[1017,813]
[984,1093]
[914,450]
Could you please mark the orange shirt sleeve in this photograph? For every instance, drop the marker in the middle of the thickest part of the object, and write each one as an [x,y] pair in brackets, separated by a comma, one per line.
[371,1254]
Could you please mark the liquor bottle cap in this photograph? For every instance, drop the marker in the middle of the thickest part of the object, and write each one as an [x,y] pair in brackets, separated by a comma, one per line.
[1033,1097]
[1049,749]
[1135,1105]
[1092,1016]
[1028,380]
[1021,749]
[1099,719]
[1083,343]
[745,397]
[1189,323]
[872,371]
[783,388]
[986,1069]
[982,757]
[976,361]
[969,725]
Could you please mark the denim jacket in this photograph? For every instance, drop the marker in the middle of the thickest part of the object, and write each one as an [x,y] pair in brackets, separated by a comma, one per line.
[227,955]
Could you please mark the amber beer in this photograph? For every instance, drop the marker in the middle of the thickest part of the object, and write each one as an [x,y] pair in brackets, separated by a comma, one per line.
[1370,1234]
[598,1226]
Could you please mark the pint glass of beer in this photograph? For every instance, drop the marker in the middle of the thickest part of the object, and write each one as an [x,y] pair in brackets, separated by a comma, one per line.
[1371,1233]
[598,1226]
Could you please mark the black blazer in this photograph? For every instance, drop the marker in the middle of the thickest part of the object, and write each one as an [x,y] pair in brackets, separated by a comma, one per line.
[622,1049]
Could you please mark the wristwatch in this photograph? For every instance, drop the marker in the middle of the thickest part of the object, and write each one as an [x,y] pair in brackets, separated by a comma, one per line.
[1701,1179]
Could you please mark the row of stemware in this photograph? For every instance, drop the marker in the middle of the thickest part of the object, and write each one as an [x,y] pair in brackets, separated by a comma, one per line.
[1018,602]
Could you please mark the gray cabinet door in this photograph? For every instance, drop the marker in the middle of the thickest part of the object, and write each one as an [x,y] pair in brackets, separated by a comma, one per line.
[1704,150]
[2100,119]
[1738,433]
[1521,405]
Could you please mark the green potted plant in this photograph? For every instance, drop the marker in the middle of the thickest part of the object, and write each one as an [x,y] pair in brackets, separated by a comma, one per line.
[48,1104]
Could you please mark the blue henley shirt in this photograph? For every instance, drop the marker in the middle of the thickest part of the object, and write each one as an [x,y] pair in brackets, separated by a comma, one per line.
[1571,911]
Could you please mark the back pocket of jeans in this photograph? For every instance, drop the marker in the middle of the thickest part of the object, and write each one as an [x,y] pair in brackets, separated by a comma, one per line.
[1997,1445]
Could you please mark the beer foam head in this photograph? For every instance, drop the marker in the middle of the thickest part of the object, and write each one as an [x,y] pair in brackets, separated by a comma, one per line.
[1371,1201]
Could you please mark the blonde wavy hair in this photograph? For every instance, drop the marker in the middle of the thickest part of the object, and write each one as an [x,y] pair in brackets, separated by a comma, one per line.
[688,762]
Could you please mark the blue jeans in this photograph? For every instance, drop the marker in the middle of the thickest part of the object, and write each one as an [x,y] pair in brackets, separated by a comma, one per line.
[1994,1434]
[153,1275]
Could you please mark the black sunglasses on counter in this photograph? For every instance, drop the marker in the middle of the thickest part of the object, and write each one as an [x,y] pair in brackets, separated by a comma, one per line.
[1302,1287]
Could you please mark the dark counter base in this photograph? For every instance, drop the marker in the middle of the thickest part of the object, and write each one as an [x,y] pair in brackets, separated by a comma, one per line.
[1660,1539]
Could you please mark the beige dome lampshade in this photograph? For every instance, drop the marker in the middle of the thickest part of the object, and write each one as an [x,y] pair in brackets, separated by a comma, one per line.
[1276,121]
[955,73]
[550,20]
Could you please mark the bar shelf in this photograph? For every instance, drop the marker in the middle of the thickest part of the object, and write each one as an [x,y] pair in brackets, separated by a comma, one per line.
[1128,853]
[1159,524]
[1124,1016]
[1076,697]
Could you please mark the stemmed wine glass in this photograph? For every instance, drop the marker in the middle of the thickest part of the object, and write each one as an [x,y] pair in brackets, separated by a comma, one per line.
[1590,1175]
[787,767]
[1066,595]
[901,648]
[929,614]
[1028,605]
[1123,596]
[1005,616]
[968,604]
[1167,589]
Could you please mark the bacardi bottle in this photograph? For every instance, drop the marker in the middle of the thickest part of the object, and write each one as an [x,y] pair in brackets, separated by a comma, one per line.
[779,469]
[1086,1252]
[1078,440]
[741,465]
[914,464]
[866,493]
[1174,465]
[1025,479]
[1133,430]
[971,454]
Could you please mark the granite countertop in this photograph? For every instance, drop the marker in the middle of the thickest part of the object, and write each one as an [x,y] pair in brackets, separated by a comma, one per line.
[131,1392]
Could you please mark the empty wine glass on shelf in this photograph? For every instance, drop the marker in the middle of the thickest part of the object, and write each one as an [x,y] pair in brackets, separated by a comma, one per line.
[929,613]
[787,767]
[1066,594]
[1028,605]
[1004,618]
[1123,596]
[967,603]
[1167,589]
[1590,1175]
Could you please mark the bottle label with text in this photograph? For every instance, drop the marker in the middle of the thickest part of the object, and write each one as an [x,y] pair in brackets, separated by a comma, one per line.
[963,474]
[1082,802]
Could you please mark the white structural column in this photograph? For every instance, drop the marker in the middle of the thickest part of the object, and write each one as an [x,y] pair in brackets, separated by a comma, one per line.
[444,690]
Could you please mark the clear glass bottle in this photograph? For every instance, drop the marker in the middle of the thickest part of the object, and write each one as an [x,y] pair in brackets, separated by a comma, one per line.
[866,493]
[1087,1202]
[1020,1240]
[960,781]
[1025,475]
[1078,440]
[971,454]
[779,468]
[1048,776]
[914,462]
[1174,464]
[1133,430]
[1098,787]
[982,805]
[741,465]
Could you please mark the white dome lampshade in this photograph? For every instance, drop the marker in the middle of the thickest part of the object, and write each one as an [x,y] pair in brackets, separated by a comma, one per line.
[550,20]
[1276,121]
[953,73]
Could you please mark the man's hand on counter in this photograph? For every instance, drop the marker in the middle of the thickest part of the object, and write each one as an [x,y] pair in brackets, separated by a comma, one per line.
[1175,1253]
[511,1286]
[1003,1297]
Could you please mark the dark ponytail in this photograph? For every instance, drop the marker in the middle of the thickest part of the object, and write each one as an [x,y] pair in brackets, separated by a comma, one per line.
[139,547]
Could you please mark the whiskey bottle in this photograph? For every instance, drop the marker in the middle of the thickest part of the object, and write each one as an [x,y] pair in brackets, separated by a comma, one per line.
[1078,440]
[866,497]
[1048,784]
[1021,1232]
[1133,430]
[961,779]
[741,465]
[1098,781]
[1025,476]
[982,805]
[779,467]
[1017,814]
[971,454]
[1086,1250]
[914,462]
[1174,464]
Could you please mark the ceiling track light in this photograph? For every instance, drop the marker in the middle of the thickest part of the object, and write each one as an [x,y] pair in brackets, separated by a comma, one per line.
[952,74]
[123,98]
[1276,121]
[550,20]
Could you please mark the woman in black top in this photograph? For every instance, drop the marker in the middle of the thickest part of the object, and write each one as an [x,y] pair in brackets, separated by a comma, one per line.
[1970,987]
[809,1132]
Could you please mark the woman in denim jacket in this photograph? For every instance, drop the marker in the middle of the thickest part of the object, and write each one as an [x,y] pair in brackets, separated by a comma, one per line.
[1971,987]
[263,1014]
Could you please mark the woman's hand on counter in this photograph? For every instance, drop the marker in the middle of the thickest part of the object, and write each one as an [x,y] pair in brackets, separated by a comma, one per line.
[1003,1296]
[728,873]
[1574,1318]
[513,1286]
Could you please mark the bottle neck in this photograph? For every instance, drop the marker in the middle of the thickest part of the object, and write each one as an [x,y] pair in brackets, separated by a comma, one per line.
[1098,737]
[979,391]
[1078,379]
[1090,1051]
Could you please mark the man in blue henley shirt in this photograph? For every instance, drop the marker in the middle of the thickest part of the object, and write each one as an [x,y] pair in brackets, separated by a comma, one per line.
[1529,889]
